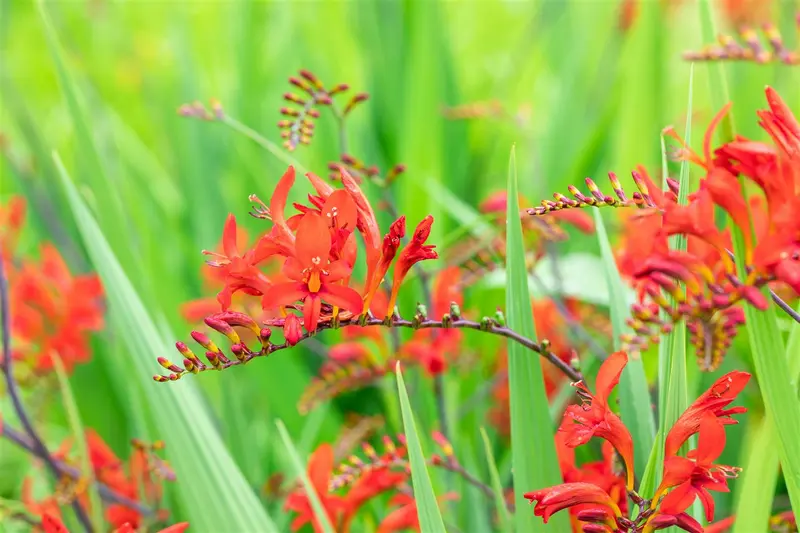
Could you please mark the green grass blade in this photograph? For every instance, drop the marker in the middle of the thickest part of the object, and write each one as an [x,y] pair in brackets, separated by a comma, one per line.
[754,492]
[672,380]
[212,489]
[634,396]
[534,460]
[499,499]
[300,470]
[430,518]
[76,427]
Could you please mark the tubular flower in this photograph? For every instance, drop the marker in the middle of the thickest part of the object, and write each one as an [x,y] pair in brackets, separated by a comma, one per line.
[413,252]
[693,477]
[320,468]
[240,271]
[391,243]
[713,401]
[594,418]
[314,276]
[680,520]
[553,499]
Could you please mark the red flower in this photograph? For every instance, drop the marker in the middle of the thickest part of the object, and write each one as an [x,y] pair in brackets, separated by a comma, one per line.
[320,467]
[53,524]
[314,275]
[413,252]
[240,271]
[559,497]
[694,476]
[382,259]
[54,311]
[713,401]
[12,218]
[594,418]
[681,520]
[403,518]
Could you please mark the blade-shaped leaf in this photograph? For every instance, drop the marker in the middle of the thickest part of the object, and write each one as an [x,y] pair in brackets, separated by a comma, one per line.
[534,461]
[430,518]
[634,396]
[499,499]
[213,490]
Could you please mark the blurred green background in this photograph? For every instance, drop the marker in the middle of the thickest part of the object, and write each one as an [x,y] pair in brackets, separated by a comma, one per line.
[99,82]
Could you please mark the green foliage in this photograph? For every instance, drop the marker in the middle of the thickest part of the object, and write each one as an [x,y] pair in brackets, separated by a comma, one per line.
[534,462]
[430,518]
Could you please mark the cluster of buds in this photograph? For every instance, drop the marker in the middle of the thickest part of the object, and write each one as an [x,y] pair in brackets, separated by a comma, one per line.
[728,49]
[241,349]
[647,196]
[684,480]
[298,126]
[197,110]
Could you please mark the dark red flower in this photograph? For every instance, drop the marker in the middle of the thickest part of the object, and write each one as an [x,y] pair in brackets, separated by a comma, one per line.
[594,417]
[559,497]
[713,401]
[695,476]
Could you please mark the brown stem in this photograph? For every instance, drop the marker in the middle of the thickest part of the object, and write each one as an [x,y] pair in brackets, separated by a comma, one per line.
[487,325]
[7,367]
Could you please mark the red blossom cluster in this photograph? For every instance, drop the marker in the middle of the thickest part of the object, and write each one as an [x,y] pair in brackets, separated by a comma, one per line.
[597,501]
[140,481]
[54,311]
[318,251]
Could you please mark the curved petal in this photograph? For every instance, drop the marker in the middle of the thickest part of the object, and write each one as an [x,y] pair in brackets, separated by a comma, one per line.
[284,294]
[292,269]
[711,441]
[338,270]
[677,470]
[708,503]
[322,187]
[311,310]
[320,468]
[229,246]
[679,499]
[342,297]
[608,375]
[313,242]
[340,210]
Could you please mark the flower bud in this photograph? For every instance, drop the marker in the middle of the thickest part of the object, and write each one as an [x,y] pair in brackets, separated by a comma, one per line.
[292,331]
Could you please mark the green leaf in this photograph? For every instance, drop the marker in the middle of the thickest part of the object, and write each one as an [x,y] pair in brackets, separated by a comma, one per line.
[499,498]
[76,427]
[430,518]
[211,487]
[300,471]
[534,460]
[634,396]
[672,380]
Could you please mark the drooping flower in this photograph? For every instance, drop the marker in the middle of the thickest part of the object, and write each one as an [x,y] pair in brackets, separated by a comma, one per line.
[680,520]
[415,251]
[553,499]
[693,477]
[314,276]
[713,401]
[594,418]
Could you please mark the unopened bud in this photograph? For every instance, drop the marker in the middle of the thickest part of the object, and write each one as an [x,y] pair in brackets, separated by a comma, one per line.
[292,331]
[500,318]
[224,328]
[455,310]
[203,340]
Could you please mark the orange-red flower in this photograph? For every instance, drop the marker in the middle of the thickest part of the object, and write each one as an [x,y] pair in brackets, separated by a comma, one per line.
[714,401]
[693,477]
[53,312]
[596,505]
[594,418]
[314,276]
[412,253]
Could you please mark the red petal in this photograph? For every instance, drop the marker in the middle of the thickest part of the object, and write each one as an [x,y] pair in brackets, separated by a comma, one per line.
[284,294]
[229,237]
[338,270]
[342,297]
[320,468]
[313,244]
[341,209]
[711,441]
[311,311]
[679,499]
[608,375]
